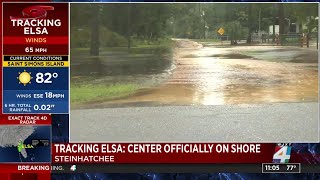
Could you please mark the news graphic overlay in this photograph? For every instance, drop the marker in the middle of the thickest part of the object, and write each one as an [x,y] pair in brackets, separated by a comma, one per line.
[25,144]
[110,153]
[282,153]
[35,82]
[281,168]
[35,58]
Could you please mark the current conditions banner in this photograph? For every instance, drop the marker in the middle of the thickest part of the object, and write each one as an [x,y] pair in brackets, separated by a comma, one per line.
[35,58]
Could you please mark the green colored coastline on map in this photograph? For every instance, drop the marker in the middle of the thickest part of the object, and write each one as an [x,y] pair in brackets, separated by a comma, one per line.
[20,146]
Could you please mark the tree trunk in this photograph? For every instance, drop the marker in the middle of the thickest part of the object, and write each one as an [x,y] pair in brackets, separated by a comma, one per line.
[274,26]
[281,22]
[199,25]
[232,37]
[274,33]
[204,27]
[250,20]
[129,26]
[94,43]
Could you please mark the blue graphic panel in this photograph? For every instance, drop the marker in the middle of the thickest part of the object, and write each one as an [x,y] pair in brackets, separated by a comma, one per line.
[35,90]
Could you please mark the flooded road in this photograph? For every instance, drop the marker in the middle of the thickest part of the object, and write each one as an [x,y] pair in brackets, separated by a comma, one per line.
[233,75]
[235,99]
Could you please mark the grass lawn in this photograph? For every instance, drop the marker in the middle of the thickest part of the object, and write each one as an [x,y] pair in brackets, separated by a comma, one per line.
[81,94]
[137,47]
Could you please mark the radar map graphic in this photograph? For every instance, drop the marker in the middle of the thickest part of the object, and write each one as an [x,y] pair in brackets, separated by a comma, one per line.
[25,143]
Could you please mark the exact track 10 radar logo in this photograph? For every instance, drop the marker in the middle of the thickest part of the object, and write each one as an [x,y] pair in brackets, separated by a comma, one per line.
[282,153]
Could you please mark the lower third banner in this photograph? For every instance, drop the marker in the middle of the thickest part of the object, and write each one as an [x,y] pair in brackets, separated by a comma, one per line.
[166,153]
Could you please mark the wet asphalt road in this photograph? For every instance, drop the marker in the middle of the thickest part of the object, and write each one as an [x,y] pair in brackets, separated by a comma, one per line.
[278,122]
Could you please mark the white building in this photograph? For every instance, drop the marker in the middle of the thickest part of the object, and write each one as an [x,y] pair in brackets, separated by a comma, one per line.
[271,29]
[294,28]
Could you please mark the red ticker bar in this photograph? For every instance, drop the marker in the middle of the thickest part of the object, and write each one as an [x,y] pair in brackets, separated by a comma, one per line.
[20,176]
[25,168]
[32,119]
[162,153]
[25,171]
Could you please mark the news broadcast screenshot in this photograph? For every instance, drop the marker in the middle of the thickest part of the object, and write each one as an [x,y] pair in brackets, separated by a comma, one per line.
[159,90]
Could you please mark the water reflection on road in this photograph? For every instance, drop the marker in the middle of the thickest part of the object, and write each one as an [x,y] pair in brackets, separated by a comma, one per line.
[216,76]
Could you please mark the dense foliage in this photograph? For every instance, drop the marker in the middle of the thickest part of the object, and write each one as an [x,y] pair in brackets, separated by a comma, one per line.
[111,25]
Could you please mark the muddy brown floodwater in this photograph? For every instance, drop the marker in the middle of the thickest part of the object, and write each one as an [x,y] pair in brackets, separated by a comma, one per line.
[216,76]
